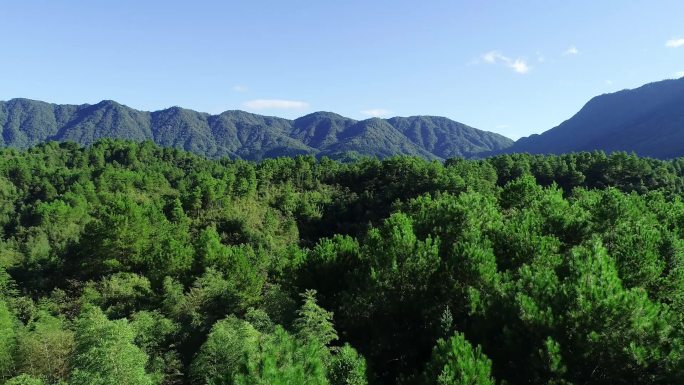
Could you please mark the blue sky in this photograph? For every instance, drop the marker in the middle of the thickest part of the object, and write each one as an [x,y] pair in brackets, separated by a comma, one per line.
[513,67]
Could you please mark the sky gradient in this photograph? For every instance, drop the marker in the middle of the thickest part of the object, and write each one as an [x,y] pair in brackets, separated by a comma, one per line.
[515,68]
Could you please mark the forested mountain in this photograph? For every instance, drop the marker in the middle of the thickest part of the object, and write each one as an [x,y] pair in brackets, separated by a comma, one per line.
[129,263]
[648,120]
[240,134]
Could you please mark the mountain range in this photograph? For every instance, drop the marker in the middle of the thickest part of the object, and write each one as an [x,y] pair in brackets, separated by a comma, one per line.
[239,134]
[648,120]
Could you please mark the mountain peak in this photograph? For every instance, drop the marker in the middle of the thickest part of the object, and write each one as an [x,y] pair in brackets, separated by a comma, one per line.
[322,114]
[108,103]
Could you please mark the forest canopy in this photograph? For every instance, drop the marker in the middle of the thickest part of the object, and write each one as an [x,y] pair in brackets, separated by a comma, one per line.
[128,263]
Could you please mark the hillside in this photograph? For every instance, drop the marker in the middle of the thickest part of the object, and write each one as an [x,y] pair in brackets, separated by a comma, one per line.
[648,120]
[239,134]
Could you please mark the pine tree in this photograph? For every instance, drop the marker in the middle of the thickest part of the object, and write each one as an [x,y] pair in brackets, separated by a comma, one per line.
[456,362]
[314,322]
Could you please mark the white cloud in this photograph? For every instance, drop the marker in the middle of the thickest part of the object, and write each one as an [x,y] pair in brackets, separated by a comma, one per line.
[375,112]
[240,88]
[502,126]
[571,51]
[609,82]
[518,65]
[275,104]
[675,43]
[679,74]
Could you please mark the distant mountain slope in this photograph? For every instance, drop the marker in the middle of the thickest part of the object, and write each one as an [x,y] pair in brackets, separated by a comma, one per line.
[648,120]
[445,138]
[378,136]
[320,129]
[25,122]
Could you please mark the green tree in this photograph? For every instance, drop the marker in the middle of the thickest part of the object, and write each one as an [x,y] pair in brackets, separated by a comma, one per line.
[7,340]
[314,322]
[46,348]
[456,362]
[347,367]
[281,359]
[105,352]
[24,379]
[158,336]
[229,345]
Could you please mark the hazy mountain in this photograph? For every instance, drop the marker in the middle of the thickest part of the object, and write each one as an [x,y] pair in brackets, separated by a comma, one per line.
[648,120]
[25,122]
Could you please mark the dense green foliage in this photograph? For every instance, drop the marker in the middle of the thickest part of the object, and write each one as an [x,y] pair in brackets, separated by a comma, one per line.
[455,362]
[238,134]
[126,263]
[647,120]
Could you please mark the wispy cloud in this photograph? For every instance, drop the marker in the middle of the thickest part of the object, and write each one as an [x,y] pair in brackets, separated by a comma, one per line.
[502,126]
[609,82]
[240,88]
[679,74]
[518,65]
[375,112]
[572,50]
[493,56]
[540,57]
[675,43]
[275,104]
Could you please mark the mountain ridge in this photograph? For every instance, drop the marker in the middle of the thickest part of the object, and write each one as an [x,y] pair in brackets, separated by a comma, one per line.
[240,134]
[647,120]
